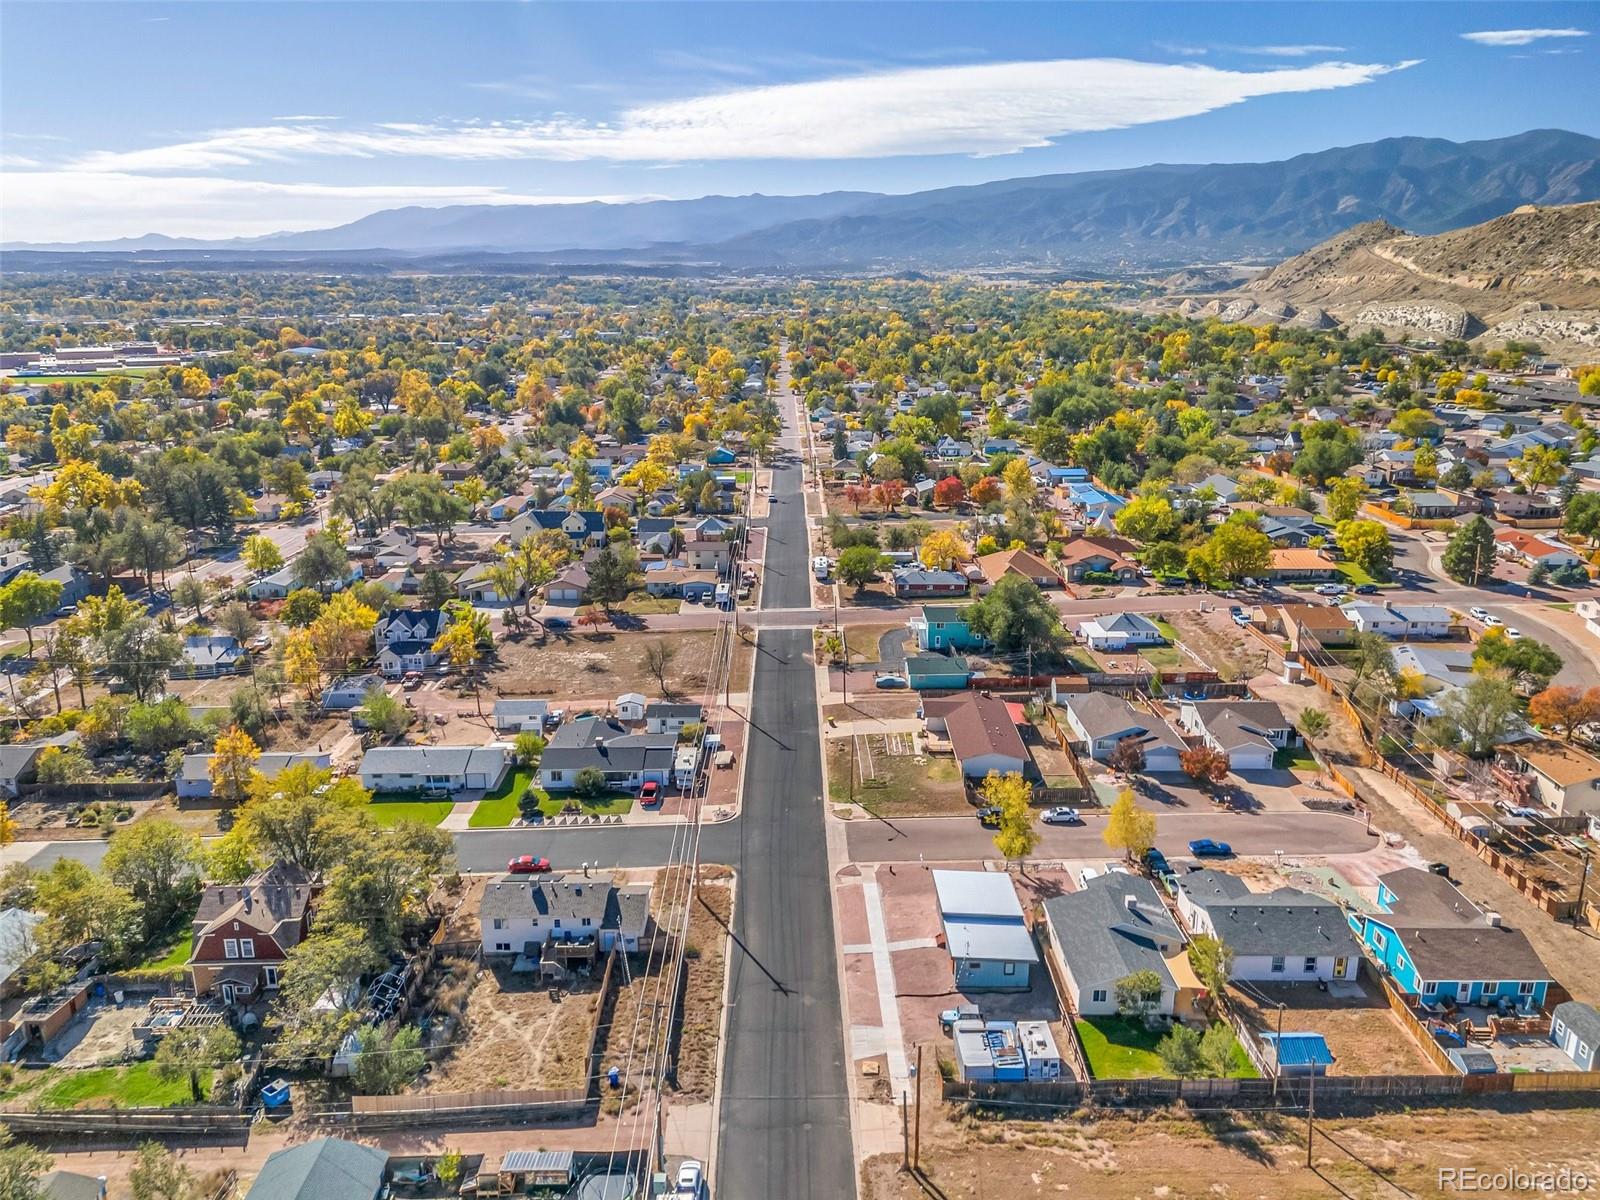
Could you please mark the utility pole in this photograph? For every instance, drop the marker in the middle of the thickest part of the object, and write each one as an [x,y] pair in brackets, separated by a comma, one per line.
[916,1145]
[1583,887]
[1277,1052]
[1311,1106]
[905,1136]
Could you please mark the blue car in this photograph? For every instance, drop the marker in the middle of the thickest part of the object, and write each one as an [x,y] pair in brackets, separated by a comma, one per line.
[1155,862]
[1207,848]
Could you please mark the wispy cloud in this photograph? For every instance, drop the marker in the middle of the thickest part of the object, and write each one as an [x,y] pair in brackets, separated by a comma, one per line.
[306,117]
[707,63]
[1520,37]
[1289,50]
[43,206]
[996,108]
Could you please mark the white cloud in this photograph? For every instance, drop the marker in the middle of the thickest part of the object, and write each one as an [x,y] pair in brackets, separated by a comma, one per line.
[1520,37]
[996,108]
[1305,50]
[306,117]
[73,206]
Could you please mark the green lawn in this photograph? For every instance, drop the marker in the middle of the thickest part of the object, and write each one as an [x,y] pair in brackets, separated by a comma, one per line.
[389,807]
[1355,576]
[503,805]
[176,955]
[1119,1049]
[1294,758]
[1164,657]
[607,804]
[1168,630]
[643,604]
[97,377]
[134,1086]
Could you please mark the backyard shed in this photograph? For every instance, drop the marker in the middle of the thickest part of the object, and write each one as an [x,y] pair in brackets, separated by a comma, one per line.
[1299,1053]
[1575,1027]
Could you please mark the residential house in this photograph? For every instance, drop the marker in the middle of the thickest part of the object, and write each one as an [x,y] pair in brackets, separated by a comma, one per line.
[662,716]
[476,587]
[981,730]
[570,586]
[1293,531]
[703,555]
[274,586]
[1589,610]
[1565,779]
[1291,563]
[585,527]
[944,627]
[404,640]
[1282,936]
[19,760]
[1426,622]
[520,716]
[1429,505]
[1318,625]
[16,945]
[74,585]
[194,773]
[518,915]
[1100,722]
[626,759]
[1526,506]
[350,691]
[1248,732]
[1120,631]
[671,581]
[243,932]
[1116,926]
[325,1168]
[206,656]
[434,768]
[914,582]
[1520,546]
[1439,948]
[1226,489]
[1575,1027]
[67,1185]
[985,934]
[1099,556]
[1024,564]
[936,672]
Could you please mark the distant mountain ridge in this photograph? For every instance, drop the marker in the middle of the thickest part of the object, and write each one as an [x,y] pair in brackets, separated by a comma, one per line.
[1137,218]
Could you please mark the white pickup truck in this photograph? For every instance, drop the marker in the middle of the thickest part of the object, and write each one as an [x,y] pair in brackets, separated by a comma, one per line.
[820,567]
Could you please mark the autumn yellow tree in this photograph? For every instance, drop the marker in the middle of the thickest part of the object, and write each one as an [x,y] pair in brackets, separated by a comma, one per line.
[341,631]
[301,666]
[943,549]
[1129,828]
[1012,795]
[233,761]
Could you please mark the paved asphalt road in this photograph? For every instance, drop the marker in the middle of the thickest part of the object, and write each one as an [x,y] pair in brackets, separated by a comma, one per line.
[956,839]
[785,1103]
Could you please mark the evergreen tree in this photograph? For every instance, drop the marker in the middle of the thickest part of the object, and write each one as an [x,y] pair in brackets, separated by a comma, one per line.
[1469,558]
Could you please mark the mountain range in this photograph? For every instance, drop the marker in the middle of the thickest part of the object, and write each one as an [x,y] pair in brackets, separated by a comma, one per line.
[1135,219]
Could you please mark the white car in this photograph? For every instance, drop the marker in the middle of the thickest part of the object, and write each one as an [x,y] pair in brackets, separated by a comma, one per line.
[1490,621]
[1513,634]
[691,1179]
[1479,614]
[1330,589]
[1061,816]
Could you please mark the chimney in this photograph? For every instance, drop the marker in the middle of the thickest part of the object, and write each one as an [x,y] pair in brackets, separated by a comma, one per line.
[1131,903]
[1492,919]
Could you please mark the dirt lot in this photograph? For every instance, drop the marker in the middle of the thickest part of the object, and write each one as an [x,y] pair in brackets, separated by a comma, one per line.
[514,1036]
[1365,1037]
[890,780]
[1341,740]
[583,666]
[1218,643]
[1172,1155]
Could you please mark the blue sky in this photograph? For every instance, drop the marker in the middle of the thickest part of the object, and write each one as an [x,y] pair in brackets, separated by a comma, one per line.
[213,120]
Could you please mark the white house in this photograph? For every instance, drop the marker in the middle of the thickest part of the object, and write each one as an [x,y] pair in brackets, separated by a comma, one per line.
[1101,722]
[433,768]
[626,760]
[1589,610]
[1425,621]
[1120,631]
[660,716]
[630,706]
[1248,732]
[1283,936]
[404,640]
[350,692]
[520,716]
[518,915]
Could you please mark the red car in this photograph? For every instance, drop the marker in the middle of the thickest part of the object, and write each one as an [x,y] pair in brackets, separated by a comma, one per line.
[649,793]
[527,864]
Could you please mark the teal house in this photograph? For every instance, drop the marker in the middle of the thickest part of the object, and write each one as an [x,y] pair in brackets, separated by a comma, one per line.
[1442,950]
[719,456]
[944,627]
[936,672]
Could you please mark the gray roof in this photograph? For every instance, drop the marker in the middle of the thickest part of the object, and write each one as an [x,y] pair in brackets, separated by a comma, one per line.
[323,1169]
[1287,922]
[197,767]
[68,1185]
[566,898]
[521,708]
[1241,722]
[1102,714]
[1212,887]
[664,710]
[1102,938]
[1581,1018]
[607,745]
[16,939]
[431,760]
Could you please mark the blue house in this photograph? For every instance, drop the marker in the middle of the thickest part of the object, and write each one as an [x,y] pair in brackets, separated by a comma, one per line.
[933,672]
[1441,949]
[984,931]
[944,627]
[719,456]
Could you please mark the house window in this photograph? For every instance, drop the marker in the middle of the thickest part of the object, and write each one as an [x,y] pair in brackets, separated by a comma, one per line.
[247,948]
[230,948]
[1011,968]
[1277,964]
[556,924]
[1311,963]
[271,974]
[1583,1050]
[974,965]
[1525,988]
[499,923]
[587,922]
[1428,989]
[504,947]
[1379,940]
[1098,996]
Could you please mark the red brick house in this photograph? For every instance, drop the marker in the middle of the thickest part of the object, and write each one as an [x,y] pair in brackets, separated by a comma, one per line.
[244,931]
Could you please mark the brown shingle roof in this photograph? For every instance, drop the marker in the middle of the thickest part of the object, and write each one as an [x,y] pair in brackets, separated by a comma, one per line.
[984,726]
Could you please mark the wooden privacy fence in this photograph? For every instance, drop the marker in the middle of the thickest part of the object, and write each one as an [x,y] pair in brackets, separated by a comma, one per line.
[187,1119]
[456,1103]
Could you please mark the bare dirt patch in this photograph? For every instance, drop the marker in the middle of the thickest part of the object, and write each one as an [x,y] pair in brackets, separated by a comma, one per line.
[1366,1038]
[883,774]
[513,1035]
[705,970]
[583,666]
[1219,643]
